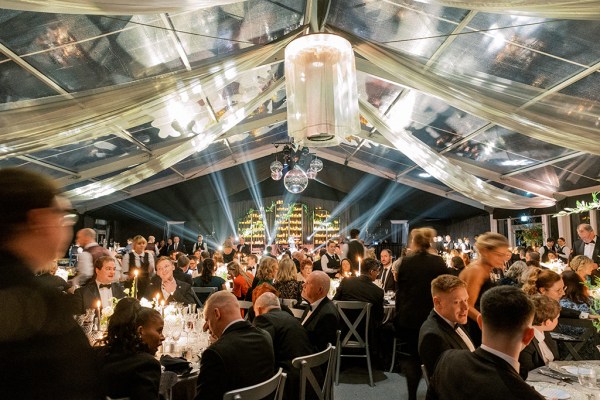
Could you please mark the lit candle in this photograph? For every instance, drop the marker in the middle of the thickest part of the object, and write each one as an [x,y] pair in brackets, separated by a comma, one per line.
[156,299]
[135,276]
[162,308]
[99,307]
[358,272]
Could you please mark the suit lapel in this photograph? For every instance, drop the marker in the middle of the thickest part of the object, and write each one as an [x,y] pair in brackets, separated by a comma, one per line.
[452,335]
[316,310]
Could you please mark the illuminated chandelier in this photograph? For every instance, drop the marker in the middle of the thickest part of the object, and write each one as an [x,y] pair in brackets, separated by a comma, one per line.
[297,168]
[321,90]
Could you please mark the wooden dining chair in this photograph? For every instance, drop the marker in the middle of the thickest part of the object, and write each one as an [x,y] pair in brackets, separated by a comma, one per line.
[307,363]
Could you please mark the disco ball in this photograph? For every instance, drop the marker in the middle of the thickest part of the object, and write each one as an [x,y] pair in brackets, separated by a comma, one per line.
[311,173]
[295,181]
[276,166]
[316,164]
[276,175]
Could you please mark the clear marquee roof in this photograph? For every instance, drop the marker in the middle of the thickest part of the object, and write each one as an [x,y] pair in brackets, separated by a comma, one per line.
[465,103]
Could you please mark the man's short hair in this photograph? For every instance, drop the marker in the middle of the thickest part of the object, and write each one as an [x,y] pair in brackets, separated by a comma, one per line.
[354,233]
[585,227]
[387,251]
[561,238]
[506,310]
[368,265]
[446,283]
[205,254]
[306,261]
[88,232]
[267,300]
[549,240]
[192,258]
[253,256]
[330,242]
[545,308]
[99,263]
[269,249]
[182,261]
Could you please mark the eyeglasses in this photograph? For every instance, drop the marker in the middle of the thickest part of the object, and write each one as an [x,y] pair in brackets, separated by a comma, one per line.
[560,289]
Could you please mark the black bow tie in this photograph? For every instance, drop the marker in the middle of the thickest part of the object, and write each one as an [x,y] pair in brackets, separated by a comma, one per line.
[591,242]
[104,285]
[456,326]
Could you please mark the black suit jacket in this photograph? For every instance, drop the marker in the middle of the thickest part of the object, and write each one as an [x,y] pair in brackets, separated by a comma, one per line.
[290,340]
[355,250]
[388,282]
[245,248]
[322,324]
[44,354]
[435,337]
[180,248]
[87,296]
[531,356]
[182,276]
[413,288]
[183,294]
[578,248]
[362,288]
[460,374]
[129,375]
[243,356]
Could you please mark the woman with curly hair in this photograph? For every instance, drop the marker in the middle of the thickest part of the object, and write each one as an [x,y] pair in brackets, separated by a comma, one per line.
[286,282]
[128,368]
[583,266]
[265,273]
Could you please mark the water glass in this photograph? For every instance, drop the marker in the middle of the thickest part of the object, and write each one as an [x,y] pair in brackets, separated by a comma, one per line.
[586,377]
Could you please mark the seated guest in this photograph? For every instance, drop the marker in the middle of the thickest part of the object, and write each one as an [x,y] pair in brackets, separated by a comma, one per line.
[286,282]
[251,261]
[442,331]
[386,275]
[363,288]
[265,273]
[306,267]
[550,284]
[238,346]
[584,267]
[322,318]
[290,339]
[577,295]
[181,270]
[542,348]
[101,287]
[456,265]
[532,258]
[207,277]
[193,269]
[514,274]
[345,270]
[48,278]
[168,288]
[128,368]
[491,371]
[242,280]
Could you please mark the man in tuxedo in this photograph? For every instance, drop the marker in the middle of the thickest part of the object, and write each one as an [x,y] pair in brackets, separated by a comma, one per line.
[177,245]
[290,339]
[166,287]
[448,244]
[492,371]
[588,245]
[562,250]
[330,262]
[44,353]
[101,288]
[181,270]
[321,318]
[356,250]
[442,330]
[363,288]
[386,275]
[239,346]
[242,247]
[200,245]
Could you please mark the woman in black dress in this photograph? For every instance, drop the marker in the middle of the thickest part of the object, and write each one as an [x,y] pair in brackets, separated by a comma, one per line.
[128,368]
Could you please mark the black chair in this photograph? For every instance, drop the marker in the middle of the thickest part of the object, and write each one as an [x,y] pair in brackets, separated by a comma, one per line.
[259,391]
[353,339]
[306,363]
[573,345]
[203,293]
[245,305]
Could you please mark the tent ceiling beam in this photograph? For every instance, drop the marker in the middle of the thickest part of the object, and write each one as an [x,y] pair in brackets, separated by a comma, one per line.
[47,165]
[544,164]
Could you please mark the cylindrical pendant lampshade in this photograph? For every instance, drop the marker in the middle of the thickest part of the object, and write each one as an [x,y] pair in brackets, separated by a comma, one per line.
[322,97]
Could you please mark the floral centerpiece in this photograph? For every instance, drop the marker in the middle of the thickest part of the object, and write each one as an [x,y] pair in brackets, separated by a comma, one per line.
[532,235]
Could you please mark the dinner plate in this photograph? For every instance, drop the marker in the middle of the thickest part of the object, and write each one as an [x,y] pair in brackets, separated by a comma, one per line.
[554,393]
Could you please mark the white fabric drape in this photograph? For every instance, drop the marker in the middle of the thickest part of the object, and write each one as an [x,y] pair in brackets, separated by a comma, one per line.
[573,9]
[58,121]
[562,120]
[112,7]
[197,143]
[443,170]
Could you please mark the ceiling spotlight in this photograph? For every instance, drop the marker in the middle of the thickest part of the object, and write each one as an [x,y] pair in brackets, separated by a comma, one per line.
[424,175]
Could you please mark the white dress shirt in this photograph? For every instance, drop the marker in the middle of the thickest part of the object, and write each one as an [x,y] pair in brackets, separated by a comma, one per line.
[546,352]
[105,295]
[512,361]
[313,307]
[588,250]
[459,331]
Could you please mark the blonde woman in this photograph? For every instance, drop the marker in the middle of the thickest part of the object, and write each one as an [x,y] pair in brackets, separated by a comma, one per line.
[266,271]
[242,280]
[583,266]
[492,248]
[228,251]
[286,283]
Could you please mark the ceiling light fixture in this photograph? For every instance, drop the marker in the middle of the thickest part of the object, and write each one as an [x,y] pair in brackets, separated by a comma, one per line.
[296,168]
[321,90]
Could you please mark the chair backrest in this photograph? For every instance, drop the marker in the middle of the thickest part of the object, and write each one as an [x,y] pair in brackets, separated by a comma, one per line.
[261,390]
[306,363]
[245,305]
[168,379]
[353,337]
[203,293]
[289,302]
[298,312]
